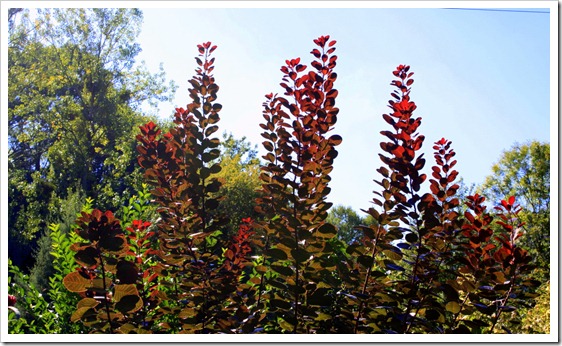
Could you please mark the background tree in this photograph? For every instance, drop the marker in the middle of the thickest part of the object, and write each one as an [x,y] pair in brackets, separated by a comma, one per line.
[74,99]
[346,220]
[537,319]
[240,181]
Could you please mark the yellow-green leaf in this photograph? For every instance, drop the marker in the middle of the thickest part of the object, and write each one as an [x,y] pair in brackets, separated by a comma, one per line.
[322,317]
[186,313]
[453,307]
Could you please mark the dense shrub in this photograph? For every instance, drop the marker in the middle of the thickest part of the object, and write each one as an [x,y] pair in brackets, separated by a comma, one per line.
[419,266]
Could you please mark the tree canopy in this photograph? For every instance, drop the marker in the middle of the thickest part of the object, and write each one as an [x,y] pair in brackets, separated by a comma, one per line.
[74,103]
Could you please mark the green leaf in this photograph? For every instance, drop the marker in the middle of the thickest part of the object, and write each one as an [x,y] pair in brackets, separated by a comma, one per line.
[285,325]
[323,317]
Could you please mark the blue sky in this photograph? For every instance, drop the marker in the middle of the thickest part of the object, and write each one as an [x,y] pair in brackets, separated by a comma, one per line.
[482,78]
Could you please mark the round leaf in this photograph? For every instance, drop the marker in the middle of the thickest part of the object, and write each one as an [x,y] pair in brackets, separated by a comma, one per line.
[129,304]
[74,282]
[453,307]
[127,272]
[277,254]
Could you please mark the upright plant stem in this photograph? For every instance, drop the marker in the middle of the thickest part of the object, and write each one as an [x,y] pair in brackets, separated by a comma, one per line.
[296,276]
[105,292]
[364,289]
[499,310]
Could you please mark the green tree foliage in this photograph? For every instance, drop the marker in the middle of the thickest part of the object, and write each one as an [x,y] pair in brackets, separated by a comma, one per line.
[44,265]
[240,181]
[537,319]
[524,171]
[346,220]
[75,93]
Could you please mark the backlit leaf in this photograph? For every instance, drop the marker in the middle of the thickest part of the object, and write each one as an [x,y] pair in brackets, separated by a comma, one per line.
[124,290]
[87,256]
[87,302]
[82,312]
[453,307]
[187,313]
[74,282]
[328,229]
[392,266]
